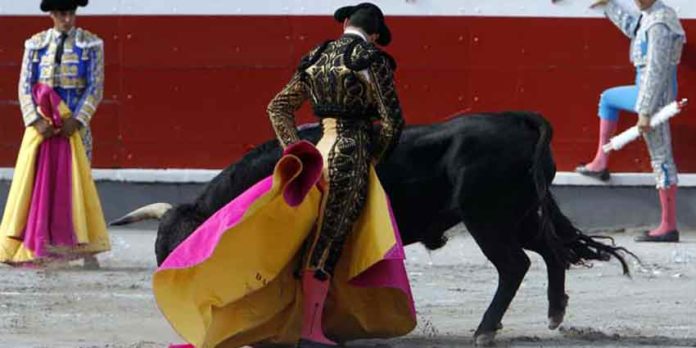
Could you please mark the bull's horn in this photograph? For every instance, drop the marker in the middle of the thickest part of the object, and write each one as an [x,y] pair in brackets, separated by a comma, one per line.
[152,211]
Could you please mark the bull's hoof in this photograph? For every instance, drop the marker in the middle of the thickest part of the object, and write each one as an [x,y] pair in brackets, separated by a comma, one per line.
[557,313]
[499,327]
[555,320]
[486,339]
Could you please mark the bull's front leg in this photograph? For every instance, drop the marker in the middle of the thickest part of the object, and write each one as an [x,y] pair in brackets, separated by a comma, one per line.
[512,265]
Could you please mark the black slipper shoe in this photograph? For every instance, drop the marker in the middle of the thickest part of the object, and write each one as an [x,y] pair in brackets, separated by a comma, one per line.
[669,237]
[602,175]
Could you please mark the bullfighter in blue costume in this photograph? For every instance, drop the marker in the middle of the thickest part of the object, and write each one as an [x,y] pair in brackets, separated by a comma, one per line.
[657,40]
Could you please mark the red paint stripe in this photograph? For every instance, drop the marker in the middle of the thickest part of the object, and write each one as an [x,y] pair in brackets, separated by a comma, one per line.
[177,96]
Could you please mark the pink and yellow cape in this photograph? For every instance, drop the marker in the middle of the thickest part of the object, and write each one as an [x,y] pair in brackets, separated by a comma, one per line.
[232,283]
[52,209]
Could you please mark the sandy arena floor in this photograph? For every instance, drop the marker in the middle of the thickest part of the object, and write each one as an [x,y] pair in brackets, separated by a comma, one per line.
[114,307]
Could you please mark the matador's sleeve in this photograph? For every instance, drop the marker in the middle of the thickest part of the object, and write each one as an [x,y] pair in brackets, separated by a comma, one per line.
[281,110]
[26,81]
[625,20]
[94,91]
[657,72]
[391,119]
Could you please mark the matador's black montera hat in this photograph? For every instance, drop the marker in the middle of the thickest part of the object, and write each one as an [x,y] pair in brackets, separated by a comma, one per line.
[62,5]
[374,11]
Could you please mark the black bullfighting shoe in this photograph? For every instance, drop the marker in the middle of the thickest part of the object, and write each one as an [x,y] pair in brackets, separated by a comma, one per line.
[669,237]
[602,175]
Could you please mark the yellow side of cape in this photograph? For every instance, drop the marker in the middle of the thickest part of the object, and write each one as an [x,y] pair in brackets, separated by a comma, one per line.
[245,292]
[88,218]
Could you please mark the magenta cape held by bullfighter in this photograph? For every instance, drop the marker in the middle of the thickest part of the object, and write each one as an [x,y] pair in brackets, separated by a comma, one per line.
[232,282]
[53,210]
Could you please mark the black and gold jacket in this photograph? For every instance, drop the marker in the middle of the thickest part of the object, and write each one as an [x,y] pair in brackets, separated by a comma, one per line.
[346,79]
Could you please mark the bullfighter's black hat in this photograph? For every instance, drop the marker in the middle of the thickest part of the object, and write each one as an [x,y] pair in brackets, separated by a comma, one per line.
[62,5]
[382,29]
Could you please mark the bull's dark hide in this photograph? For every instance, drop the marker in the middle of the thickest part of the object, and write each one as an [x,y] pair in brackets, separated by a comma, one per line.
[490,171]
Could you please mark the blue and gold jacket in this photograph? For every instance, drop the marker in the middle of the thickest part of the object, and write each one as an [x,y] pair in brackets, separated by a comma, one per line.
[78,79]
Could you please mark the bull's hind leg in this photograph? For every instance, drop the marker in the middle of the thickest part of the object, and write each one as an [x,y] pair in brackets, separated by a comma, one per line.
[512,265]
[556,272]
[558,299]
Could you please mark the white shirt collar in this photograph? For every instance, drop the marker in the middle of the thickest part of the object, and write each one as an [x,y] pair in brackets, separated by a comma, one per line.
[354,31]
[55,34]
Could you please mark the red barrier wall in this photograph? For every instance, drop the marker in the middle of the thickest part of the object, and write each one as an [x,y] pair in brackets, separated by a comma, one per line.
[191,91]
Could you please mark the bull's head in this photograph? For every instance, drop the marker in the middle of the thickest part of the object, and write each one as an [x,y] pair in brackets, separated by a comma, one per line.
[175,226]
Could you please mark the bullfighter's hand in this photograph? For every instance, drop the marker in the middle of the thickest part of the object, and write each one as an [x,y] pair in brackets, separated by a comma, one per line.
[599,3]
[643,124]
[44,128]
[70,126]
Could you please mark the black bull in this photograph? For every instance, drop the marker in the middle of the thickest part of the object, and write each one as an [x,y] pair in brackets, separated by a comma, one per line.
[490,171]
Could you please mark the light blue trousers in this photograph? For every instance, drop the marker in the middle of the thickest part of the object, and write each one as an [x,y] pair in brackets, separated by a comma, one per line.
[659,139]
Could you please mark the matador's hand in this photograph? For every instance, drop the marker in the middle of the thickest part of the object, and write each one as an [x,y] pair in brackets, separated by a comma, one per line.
[44,128]
[70,126]
[643,124]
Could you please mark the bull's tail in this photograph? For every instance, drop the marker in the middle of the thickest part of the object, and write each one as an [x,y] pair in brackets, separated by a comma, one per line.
[149,212]
[542,155]
[568,243]
[573,247]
